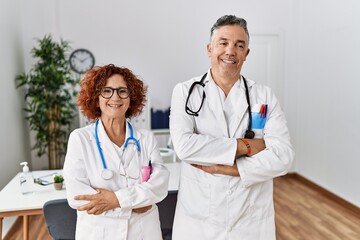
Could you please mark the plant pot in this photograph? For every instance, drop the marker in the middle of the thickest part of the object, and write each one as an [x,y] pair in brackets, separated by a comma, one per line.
[58,186]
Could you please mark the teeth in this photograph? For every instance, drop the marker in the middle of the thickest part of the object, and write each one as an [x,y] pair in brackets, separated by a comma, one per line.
[228,61]
[114,105]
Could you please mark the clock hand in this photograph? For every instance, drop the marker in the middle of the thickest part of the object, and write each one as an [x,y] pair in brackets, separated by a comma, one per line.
[84,59]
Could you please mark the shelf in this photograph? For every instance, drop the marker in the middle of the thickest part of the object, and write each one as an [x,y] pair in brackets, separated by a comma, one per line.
[161,131]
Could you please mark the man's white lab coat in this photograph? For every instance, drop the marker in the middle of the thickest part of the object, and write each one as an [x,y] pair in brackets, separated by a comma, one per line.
[215,206]
[82,173]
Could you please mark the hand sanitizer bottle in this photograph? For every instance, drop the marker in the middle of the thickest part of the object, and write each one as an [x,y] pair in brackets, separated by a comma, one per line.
[26,179]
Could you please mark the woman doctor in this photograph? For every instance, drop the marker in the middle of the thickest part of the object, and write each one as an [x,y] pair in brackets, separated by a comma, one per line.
[114,173]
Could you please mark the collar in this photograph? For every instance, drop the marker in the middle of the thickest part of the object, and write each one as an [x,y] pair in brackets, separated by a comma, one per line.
[209,78]
[103,137]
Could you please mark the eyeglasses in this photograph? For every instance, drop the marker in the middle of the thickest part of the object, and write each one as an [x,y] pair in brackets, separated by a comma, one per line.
[108,92]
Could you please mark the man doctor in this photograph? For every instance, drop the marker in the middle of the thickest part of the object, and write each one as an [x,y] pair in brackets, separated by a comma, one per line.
[226,185]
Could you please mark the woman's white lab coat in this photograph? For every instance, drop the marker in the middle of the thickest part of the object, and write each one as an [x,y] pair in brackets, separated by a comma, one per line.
[215,206]
[82,173]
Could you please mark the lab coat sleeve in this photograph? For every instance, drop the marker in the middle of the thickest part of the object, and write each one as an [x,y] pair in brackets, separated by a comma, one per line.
[276,159]
[75,174]
[156,188]
[190,146]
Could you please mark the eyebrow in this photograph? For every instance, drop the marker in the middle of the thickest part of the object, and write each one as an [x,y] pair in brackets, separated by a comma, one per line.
[238,41]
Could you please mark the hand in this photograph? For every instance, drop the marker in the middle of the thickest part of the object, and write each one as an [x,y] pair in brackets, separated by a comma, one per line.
[100,202]
[256,144]
[219,169]
[142,209]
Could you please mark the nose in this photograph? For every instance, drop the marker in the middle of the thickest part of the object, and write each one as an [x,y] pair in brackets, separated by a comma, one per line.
[115,95]
[230,49]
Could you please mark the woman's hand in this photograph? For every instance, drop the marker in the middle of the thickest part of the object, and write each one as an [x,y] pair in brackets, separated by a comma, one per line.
[100,202]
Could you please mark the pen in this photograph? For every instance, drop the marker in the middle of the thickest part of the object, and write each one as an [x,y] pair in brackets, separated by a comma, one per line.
[262,111]
[150,166]
[266,108]
[39,179]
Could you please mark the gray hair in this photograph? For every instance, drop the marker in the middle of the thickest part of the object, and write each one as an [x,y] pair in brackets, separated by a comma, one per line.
[229,20]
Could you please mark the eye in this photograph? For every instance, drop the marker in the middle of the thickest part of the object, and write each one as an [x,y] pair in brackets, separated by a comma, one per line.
[241,45]
[122,90]
[222,43]
[107,90]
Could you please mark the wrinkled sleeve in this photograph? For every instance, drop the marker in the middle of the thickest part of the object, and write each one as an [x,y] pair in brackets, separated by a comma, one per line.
[156,188]
[75,174]
[276,159]
[190,146]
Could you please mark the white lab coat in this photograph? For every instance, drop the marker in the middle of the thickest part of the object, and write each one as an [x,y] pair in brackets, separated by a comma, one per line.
[215,206]
[82,173]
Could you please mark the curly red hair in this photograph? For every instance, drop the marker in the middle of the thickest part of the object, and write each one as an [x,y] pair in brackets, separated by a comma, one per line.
[95,79]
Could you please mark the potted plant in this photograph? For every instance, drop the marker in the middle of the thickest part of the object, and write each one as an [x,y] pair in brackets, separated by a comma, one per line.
[58,182]
[49,92]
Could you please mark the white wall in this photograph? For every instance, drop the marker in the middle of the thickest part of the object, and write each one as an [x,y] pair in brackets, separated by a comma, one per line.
[13,134]
[328,86]
[165,42]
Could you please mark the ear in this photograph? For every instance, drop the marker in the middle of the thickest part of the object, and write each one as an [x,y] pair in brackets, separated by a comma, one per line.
[209,49]
[248,51]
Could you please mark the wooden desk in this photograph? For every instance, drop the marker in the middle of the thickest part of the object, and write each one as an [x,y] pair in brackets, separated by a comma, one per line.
[13,203]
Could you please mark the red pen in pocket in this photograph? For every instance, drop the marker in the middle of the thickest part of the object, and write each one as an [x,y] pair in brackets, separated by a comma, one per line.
[263,110]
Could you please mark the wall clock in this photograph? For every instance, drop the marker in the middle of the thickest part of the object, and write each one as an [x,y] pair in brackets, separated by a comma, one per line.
[81,60]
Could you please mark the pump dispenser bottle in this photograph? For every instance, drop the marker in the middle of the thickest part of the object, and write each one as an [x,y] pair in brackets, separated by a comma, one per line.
[26,179]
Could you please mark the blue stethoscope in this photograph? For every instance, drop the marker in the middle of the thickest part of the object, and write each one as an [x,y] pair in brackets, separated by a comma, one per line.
[106,173]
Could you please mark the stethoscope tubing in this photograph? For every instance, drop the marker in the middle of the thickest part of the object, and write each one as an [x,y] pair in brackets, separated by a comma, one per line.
[125,144]
[249,133]
[98,145]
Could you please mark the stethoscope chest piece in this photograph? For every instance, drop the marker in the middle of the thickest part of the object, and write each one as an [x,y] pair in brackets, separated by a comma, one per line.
[249,134]
[107,174]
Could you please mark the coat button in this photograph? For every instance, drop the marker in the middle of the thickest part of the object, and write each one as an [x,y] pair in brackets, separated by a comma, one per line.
[228,229]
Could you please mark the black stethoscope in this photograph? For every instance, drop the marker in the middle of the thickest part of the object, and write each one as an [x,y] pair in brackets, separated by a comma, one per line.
[248,134]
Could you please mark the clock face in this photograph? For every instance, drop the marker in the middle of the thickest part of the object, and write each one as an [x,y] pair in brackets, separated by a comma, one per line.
[81,60]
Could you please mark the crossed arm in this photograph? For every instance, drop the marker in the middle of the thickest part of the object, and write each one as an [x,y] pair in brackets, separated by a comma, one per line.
[256,145]
[104,200]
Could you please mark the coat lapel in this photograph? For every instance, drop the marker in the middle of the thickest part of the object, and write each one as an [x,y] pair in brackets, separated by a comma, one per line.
[237,104]
[111,157]
[215,105]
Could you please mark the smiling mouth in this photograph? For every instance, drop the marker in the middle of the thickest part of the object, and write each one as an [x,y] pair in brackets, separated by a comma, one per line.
[115,105]
[228,61]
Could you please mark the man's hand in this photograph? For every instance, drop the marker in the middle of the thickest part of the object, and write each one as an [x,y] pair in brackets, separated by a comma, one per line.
[219,169]
[256,145]
[142,209]
[100,202]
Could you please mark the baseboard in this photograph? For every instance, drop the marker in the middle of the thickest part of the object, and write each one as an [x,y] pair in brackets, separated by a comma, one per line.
[354,209]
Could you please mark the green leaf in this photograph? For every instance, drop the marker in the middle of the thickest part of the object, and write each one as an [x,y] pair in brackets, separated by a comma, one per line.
[50,107]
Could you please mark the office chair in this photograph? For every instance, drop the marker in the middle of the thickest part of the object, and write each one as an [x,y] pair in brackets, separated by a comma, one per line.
[60,219]
[166,213]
